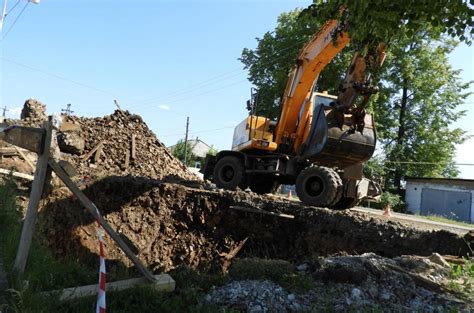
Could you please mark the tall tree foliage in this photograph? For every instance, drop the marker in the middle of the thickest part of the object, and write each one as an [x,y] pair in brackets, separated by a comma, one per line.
[270,63]
[419,92]
[374,21]
[419,100]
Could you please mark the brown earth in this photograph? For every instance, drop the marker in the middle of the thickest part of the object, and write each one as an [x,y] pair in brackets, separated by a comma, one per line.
[173,224]
[172,220]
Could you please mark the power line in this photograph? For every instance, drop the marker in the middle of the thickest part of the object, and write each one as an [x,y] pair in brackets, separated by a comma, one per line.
[16,20]
[198,131]
[195,86]
[59,77]
[13,8]
[269,61]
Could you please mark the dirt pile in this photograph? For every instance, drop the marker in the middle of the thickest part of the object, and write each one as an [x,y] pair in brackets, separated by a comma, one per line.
[121,144]
[173,224]
[116,144]
[33,112]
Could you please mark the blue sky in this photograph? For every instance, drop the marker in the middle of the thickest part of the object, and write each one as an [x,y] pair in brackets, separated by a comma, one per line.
[164,60]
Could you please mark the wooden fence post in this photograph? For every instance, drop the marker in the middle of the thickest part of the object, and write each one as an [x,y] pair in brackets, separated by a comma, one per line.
[35,196]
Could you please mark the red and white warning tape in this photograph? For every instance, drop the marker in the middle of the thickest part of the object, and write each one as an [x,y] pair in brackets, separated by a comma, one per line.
[100,307]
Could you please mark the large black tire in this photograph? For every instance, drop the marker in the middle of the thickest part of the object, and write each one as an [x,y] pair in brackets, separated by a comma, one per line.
[317,186]
[229,173]
[263,186]
[340,188]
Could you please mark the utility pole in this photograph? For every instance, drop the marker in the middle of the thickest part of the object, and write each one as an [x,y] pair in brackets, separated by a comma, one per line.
[186,142]
[68,110]
[4,111]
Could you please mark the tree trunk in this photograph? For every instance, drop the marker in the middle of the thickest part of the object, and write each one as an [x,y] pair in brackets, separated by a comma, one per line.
[401,133]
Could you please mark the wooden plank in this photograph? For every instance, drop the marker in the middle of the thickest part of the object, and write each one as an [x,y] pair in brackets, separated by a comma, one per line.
[134,147]
[98,152]
[260,211]
[16,174]
[88,204]
[35,197]
[25,157]
[29,138]
[127,159]
[90,153]
[163,282]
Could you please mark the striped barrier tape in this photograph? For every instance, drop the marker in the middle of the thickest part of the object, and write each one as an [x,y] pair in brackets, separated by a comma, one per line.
[100,307]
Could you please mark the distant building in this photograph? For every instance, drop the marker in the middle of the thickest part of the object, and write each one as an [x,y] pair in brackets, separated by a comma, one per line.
[449,198]
[199,149]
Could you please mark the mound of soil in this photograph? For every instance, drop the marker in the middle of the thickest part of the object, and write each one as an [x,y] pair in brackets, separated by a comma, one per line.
[149,157]
[173,224]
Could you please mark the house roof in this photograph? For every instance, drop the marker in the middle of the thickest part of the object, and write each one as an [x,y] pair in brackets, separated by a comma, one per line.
[199,147]
[442,181]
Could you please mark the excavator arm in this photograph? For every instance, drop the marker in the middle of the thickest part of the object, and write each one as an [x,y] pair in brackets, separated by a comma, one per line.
[297,112]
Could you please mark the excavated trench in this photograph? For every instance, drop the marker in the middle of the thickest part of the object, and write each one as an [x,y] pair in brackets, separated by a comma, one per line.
[171,224]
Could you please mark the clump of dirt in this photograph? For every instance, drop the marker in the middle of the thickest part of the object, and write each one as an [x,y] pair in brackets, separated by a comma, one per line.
[33,112]
[173,224]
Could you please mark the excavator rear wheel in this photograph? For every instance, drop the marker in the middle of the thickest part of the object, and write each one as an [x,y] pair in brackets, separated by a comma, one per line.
[317,186]
[229,173]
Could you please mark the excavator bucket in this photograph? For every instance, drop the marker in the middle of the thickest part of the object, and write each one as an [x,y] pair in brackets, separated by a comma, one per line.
[330,145]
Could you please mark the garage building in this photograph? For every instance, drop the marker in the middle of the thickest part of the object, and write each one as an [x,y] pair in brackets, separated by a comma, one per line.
[450,198]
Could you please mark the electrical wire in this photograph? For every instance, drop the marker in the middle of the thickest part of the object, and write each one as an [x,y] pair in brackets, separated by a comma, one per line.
[59,77]
[13,8]
[197,132]
[16,20]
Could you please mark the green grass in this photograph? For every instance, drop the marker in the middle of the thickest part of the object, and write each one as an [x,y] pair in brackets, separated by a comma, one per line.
[437,218]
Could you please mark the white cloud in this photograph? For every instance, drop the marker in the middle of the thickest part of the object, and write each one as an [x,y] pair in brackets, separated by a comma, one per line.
[164,107]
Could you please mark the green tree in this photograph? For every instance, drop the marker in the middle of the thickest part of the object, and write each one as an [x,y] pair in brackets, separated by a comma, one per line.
[418,102]
[178,152]
[420,93]
[270,63]
[373,21]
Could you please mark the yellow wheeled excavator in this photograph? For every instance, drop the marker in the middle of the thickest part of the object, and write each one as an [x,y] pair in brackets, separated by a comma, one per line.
[319,142]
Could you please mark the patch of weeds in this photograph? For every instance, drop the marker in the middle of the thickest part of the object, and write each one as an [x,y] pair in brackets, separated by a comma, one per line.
[186,277]
[278,271]
[441,219]
[462,276]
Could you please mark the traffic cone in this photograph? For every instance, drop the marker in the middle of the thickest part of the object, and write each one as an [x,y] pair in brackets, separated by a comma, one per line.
[387,212]
[289,194]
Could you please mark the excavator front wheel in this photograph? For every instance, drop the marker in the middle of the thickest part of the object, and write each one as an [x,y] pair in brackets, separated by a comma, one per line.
[317,186]
[229,173]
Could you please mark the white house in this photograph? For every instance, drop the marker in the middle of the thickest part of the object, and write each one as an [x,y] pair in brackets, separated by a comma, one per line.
[450,198]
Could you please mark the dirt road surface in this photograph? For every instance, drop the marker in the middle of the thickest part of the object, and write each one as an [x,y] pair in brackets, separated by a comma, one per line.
[416,221]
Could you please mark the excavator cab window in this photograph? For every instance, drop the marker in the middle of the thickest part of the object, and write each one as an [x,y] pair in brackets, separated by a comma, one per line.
[326,101]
